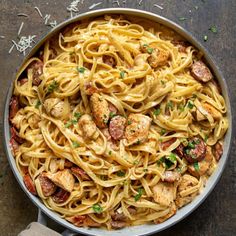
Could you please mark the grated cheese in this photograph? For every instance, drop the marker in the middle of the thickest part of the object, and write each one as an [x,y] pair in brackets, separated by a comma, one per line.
[20,29]
[22,14]
[117,2]
[46,18]
[53,23]
[94,5]
[160,7]
[39,12]
[73,7]
[140,2]
[23,44]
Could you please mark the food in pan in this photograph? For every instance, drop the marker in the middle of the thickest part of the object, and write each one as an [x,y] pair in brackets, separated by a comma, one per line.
[116,122]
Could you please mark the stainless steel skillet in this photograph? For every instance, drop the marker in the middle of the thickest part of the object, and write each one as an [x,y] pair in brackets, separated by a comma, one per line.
[181,213]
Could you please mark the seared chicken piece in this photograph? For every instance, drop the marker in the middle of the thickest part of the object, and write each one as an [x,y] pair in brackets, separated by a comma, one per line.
[157,57]
[187,183]
[100,110]
[141,59]
[171,176]
[63,179]
[164,193]
[56,107]
[207,109]
[88,127]
[203,165]
[137,128]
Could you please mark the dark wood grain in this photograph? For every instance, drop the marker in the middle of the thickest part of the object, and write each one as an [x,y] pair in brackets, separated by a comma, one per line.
[217,215]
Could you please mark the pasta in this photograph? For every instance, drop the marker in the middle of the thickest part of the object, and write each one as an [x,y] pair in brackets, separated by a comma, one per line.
[115,123]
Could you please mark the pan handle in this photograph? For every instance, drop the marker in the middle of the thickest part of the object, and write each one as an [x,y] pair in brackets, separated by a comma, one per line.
[42,219]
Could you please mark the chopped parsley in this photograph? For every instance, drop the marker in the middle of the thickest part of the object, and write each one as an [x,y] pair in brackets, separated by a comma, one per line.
[138,195]
[109,152]
[163,131]
[97,208]
[150,50]
[129,122]
[38,103]
[69,123]
[182,18]
[191,145]
[205,38]
[138,142]
[181,107]
[206,138]
[136,162]
[81,69]
[112,114]
[170,105]
[196,166]
[54,85]
[190,105]
[145,170]
[145,45]
[75,144]
[120,173]
[168,163]
[157,112]
[172,157]
[122,74]
[160,161]
[213,29]
[163,82]
[77,115]
[105,119]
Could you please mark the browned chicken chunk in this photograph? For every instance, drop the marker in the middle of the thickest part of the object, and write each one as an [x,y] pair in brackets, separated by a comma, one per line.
[63,179]
[137,128]
[100,110]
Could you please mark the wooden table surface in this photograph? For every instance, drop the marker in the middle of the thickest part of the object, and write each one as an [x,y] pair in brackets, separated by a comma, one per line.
[217,215]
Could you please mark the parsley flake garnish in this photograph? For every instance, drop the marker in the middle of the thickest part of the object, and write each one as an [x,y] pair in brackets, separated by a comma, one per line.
[157,112]
[77,115]
[170,105]
[75,144]
[129,122]
[138,195]
[182,18]
[38,103]
[120,173]
[213,29]
[81,69]
[163,131]
[54,85]
[150,50]
[196,166]
[190,105]
[122,74]
[112,114]
[97,208]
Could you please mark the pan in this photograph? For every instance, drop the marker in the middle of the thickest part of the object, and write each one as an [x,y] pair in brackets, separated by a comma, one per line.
[134,230]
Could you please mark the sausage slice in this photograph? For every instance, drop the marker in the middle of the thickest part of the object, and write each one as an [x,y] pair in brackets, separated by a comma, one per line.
[195,151]
[29,184]
[117,127]
[217,151]
[201,72]
[48,187]
[37,67]
[60,196]
[13,107]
